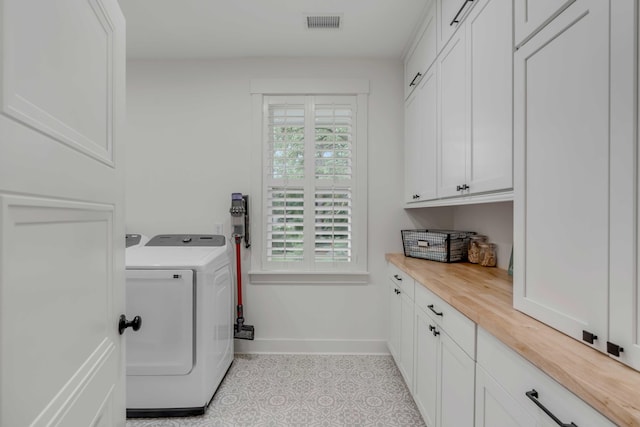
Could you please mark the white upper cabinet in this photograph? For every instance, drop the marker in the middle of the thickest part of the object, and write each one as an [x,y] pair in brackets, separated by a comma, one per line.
[423,53]
[420,141]
[475,99]
[574,212]
[450,14]
[624,297]
[452,116]
[532,15]
[489,156]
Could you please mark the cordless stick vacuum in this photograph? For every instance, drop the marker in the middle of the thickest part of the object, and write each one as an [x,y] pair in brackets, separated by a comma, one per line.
[239,218]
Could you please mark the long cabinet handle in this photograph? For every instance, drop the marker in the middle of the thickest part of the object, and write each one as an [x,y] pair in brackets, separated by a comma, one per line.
[533,395]
[430,307]
[455,18]
[413,82]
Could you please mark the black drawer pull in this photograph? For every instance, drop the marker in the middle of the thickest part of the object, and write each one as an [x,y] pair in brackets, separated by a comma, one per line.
[397,277]
[430,307]
[413,82]
[455,18]
[533,395]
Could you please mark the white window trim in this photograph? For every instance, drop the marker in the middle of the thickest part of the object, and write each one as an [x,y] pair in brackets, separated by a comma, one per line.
[264,87]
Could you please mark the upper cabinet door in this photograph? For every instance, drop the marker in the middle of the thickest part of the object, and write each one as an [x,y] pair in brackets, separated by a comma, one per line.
[624,288]
[562,154]
[420,141]
[423,54]
[532,15]
[450,15]
[490,78]
[452,116]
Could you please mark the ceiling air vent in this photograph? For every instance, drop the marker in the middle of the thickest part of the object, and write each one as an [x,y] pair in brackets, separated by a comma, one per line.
[323,22]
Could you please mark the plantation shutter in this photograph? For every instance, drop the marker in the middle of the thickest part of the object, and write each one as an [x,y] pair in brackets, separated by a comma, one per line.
[308,192]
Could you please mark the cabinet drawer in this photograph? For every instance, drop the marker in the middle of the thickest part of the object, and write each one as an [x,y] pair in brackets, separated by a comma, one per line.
[402,280]
[517,376]
[456,324]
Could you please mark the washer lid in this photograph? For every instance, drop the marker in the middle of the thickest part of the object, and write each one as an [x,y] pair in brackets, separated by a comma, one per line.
[193,258]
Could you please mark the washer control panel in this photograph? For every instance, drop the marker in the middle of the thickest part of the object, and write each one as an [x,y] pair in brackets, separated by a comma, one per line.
[187,240]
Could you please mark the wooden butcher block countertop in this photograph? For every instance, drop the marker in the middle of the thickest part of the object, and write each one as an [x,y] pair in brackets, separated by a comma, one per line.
[485,295]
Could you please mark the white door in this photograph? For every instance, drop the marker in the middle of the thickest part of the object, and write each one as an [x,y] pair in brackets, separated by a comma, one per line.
[420,143]
[426,367]
[61,213]
[452,116]
[489,161]
[562,150]
[455,384]
[395,325]
[406,339]
[530,16]
[495,407]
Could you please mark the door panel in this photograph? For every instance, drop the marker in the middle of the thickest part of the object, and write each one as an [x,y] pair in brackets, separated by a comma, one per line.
[490,71]
[69,57]
[456,385]
[61,213]
[164,299]
[425,388]
[532,15]
[452,116]
[561,210]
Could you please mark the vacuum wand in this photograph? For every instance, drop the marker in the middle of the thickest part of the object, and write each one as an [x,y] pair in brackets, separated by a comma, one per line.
[238,219]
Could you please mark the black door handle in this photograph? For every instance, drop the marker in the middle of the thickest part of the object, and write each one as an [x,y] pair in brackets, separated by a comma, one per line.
[430,307]
[533,395]
[455,18]
[124,323]
[413,82]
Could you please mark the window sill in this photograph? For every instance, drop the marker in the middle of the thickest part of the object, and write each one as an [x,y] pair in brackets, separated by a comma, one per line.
[308,278]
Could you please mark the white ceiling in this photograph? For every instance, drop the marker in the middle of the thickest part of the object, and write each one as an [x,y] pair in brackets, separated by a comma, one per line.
[179,29]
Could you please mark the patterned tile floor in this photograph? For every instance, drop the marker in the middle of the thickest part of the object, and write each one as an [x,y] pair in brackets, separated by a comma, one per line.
[306,391]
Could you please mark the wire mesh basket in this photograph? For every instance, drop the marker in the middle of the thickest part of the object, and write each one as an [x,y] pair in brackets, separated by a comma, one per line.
[436,245]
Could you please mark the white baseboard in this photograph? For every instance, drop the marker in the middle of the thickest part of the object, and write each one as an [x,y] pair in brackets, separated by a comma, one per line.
[288,346]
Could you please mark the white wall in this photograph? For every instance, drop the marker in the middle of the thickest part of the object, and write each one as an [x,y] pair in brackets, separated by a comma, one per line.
[188,149]
[495,220]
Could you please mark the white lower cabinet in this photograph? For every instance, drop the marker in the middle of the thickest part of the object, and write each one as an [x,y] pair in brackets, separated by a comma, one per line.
[510,392]
[401,323]
[495,407]
[444,372]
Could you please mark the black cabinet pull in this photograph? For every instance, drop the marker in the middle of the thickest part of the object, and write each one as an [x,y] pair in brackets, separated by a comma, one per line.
[589,337]
[465,187]
[397,291]
[397,277]
[458,187]
[123,323]
[455,18]
[533,395]
[614,349]
[430,307]
[434,331]
[413,82]
[416,196]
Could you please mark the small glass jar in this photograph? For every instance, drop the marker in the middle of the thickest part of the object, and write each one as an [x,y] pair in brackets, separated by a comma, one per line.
[488,254]
[473,253]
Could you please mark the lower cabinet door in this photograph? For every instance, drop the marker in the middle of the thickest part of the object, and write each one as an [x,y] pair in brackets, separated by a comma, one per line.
[426,372]
[456,384]
[406,340]
[395,310]
[496,408]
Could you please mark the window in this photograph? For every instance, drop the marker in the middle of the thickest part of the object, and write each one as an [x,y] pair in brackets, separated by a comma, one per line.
[313,184]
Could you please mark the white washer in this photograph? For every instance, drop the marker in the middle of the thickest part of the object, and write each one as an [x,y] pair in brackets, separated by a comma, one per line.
[180,285]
